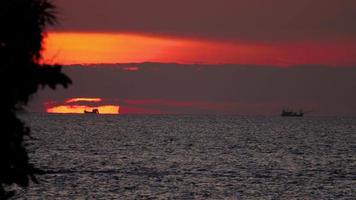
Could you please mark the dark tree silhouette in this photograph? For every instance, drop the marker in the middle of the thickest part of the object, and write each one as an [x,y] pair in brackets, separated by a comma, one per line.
[22,29]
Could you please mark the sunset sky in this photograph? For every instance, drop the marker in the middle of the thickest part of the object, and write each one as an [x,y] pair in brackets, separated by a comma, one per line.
[199,34]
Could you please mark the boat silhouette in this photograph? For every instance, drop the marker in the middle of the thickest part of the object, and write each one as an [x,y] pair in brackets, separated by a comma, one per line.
[94,111]
[290,113]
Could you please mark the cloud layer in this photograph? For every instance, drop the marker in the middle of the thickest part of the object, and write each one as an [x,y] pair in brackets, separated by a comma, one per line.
[230,89]
[241,20]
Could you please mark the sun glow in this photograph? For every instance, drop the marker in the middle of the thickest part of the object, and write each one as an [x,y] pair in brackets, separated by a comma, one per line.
[73,100]
[77,106]
[79,109]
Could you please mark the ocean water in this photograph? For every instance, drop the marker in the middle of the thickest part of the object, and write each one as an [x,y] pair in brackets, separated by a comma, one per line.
[192,157]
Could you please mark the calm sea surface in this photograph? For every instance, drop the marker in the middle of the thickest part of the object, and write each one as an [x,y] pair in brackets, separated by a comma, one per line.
[192,157]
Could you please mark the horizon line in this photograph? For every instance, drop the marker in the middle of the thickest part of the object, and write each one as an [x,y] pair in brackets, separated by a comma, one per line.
[206,64]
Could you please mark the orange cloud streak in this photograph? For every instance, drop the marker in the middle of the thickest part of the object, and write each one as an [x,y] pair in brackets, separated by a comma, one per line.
[79,109]
[89,48]
[83,99]
[70,48]
[133,68]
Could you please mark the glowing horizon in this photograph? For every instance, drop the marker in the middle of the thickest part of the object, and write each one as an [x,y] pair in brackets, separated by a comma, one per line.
[79,109]
[67,106]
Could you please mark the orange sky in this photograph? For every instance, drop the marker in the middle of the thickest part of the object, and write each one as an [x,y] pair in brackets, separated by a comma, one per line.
[89,48]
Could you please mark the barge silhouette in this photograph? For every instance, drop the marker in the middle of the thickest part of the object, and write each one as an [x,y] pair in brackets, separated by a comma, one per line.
[290,113]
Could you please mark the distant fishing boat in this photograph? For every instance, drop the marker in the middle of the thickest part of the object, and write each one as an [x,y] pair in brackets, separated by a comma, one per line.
[290,113]
[94,111]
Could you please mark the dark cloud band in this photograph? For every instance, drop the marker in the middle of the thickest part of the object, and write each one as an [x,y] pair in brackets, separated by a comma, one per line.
[259,20]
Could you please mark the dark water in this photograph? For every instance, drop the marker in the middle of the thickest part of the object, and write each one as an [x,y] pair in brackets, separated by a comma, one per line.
[192,157]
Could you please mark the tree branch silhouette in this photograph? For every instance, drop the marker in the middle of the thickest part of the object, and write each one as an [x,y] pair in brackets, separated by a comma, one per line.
[22,30]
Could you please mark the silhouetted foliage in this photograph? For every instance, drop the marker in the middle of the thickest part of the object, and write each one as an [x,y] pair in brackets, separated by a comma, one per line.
[22,26]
